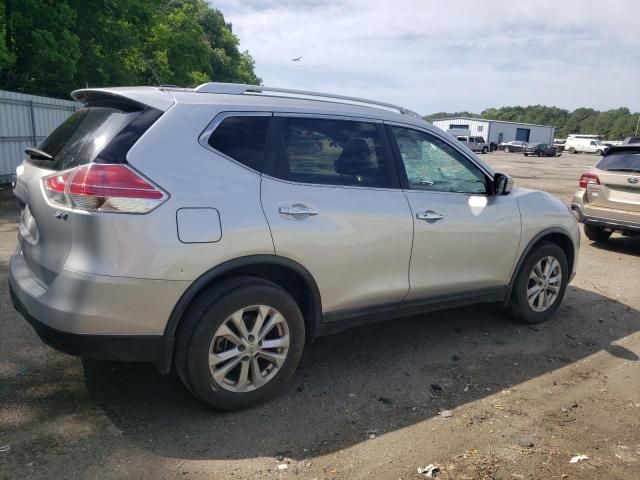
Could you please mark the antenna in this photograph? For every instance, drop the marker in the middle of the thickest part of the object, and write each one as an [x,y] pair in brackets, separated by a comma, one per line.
[157,77]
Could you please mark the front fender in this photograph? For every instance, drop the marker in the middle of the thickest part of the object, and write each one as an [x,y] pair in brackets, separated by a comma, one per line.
[543,214]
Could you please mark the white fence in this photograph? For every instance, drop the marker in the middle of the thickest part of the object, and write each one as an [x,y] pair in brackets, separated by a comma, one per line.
[25,120]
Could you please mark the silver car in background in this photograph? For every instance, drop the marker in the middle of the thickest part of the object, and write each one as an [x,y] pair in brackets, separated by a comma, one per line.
[214,231]
[475,144]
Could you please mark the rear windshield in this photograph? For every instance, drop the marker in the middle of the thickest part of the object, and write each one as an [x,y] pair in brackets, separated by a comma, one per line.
[621,161]
[86,133]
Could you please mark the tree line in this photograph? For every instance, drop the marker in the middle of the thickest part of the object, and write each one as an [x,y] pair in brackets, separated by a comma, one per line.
[612,124]
[51,47]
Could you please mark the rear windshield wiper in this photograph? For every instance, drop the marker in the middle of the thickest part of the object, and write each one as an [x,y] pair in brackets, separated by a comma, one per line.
[37,154]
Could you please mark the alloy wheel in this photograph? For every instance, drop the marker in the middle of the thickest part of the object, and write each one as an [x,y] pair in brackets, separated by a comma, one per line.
[544,284]
[249,348]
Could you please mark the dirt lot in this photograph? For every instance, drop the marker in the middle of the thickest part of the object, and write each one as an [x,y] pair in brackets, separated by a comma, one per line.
[364,404]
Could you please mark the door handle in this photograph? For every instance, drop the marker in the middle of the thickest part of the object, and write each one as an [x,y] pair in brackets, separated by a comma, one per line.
[297,210]
[429,216]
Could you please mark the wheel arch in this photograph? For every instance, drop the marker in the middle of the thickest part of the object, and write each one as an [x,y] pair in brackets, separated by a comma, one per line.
[557,236]
[287,273]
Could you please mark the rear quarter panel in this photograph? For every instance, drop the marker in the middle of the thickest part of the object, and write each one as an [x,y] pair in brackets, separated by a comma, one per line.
[147,246]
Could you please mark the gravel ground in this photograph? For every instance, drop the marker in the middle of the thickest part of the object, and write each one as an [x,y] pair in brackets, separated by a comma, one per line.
[364,404]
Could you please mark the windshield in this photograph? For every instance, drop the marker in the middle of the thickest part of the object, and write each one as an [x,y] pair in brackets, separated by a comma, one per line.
[621,161]
[82,136]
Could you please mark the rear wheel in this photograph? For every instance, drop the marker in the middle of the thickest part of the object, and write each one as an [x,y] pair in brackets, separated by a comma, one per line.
[572,150]
[240,343]
[506,150]
[596,234]
[485,150]
[540,284]
[598,152]
[540,153]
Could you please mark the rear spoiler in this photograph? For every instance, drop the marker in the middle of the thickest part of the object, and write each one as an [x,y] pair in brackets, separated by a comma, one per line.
[140,96]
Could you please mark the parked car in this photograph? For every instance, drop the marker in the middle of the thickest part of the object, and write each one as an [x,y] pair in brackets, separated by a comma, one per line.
[631,140]
[540,150]
[608,199]
[216,230]
[585,145]
[475,144]
[515,146]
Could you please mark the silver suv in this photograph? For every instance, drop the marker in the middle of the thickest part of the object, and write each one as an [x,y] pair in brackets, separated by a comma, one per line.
[475,144]
[216,230]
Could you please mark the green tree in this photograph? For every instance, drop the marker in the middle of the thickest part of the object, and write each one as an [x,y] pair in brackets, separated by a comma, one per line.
[51,47]
[42,46]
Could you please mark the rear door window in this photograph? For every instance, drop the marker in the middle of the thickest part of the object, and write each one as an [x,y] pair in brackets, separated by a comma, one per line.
[242,138]
[86,133]
[332,152]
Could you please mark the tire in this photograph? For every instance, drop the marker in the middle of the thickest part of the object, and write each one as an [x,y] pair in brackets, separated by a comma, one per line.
[599,153]
[572,150]
[520,308]
[596,234]
[485,150]
[506,150]
[540,154]
[526,154]
[200,333]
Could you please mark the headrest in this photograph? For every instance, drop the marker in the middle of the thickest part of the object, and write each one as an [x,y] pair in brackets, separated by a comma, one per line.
[355,159]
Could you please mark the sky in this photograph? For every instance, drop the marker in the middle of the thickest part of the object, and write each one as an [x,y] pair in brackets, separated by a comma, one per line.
[433,56]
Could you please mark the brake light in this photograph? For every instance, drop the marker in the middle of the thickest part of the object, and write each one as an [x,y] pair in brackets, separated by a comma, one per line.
[54,187]
[104,188]
[589,179]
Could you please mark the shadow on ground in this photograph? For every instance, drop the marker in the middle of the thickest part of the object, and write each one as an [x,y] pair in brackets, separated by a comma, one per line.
[620,244]
[376,378]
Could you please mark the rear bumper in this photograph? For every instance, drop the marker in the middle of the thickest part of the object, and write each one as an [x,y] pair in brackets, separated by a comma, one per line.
[613,224]
[132,348]
[110,318]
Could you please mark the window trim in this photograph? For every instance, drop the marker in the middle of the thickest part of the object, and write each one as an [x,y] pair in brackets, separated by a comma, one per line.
[274,157]
[203,138]
[404,180]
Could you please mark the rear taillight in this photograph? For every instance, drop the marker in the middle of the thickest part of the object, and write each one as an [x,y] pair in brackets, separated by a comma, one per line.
[54,187]
[589,179]
[104,188]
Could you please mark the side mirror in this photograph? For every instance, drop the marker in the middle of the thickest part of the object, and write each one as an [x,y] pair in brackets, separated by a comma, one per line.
[502,184]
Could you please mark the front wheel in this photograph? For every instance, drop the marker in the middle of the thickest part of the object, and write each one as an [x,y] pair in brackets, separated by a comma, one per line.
[599,152]
[540,284]
[240,343]
[485,150]
[572,150]
[506,150]
[596,234]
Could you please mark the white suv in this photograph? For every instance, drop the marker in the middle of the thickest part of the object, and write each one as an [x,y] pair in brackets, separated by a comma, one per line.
[216,230]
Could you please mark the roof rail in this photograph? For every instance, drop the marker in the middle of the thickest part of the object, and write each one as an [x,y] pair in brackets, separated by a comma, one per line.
[240,89]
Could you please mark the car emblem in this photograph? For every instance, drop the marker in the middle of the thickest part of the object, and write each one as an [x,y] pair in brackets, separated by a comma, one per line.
[633,180]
